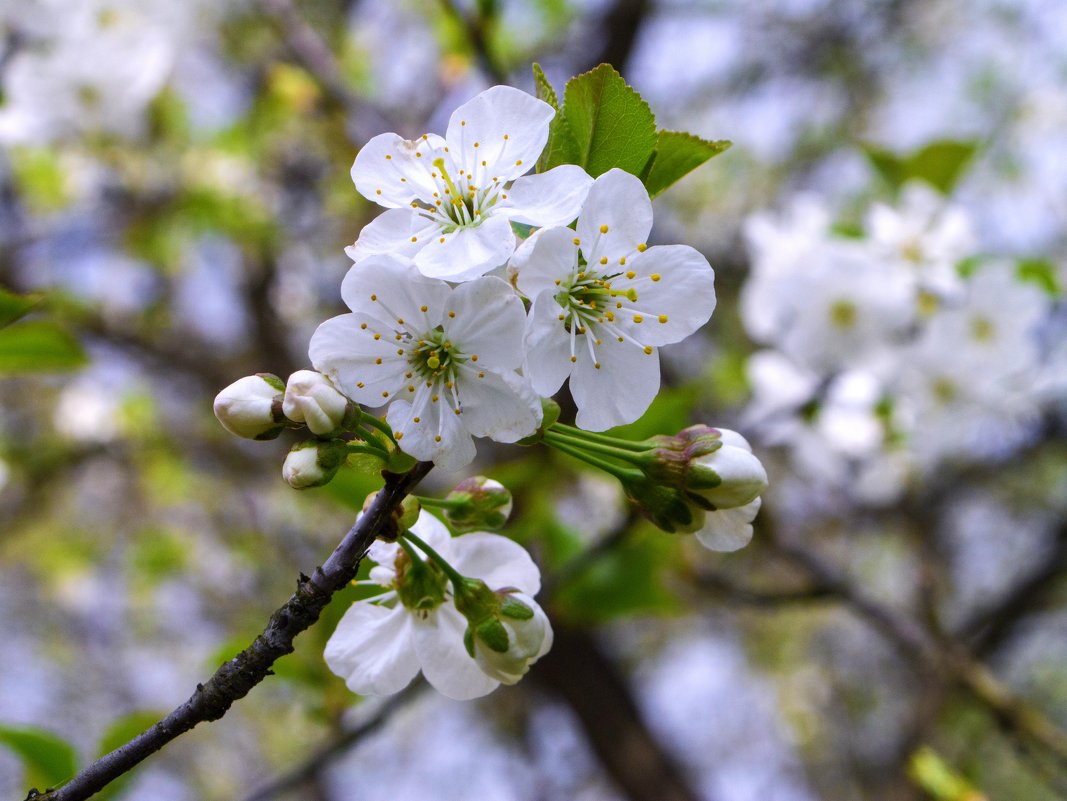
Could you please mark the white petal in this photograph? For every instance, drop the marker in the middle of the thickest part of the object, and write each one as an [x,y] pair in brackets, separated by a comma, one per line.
[501,406]
[391,290]
[384,553]
[439,436]
[620,391]
[393,172]
[619,202]
[347,353]
[488,323]
[434,533]
[510,127]
[549,198]
[497,561]
[444,659]
[468,252]
[683,296]
[729,529]
[546,259]
[373,649]
[547,345]
[402,232]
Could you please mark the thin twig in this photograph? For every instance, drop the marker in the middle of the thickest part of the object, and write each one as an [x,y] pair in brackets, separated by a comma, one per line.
[236,678]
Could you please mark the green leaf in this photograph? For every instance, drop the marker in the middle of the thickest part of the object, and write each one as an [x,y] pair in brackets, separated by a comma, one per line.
[677,154]
[543,88]
[47,759]
[119,733]
[611,124]
[1040,272]
[13,306]
[38,346]
[940,163]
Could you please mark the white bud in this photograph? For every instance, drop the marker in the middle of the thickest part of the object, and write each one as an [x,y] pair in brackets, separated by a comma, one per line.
[529,638]
[251,407]
[743,476]
[311,399]
[313,463]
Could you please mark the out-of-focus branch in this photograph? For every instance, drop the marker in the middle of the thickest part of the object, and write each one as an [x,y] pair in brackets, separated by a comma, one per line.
[311,767]
[581,674]
[236,678]
[621,25]
[315,56]
[477,29]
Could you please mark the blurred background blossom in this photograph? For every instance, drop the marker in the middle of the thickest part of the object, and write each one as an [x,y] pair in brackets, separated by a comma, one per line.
[888,233]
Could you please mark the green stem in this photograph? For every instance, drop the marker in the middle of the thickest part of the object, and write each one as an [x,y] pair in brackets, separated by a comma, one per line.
[593,436]
[597,447]
[621,473]
[374,422]
[454,575]
[373,450]
[435,503]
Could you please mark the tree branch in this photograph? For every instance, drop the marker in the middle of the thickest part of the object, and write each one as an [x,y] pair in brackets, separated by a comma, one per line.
[236,678]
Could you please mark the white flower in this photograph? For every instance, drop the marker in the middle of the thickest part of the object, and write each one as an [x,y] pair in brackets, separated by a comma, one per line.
[742,475]
[449,200]
[250,407]
[381,643]
[729,529]
[925,234]
[529,638]
[444,358]
[603,302]
[313,463]
[311,399]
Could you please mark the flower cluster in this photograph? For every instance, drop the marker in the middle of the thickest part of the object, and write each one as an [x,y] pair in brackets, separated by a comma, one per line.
[454,352]
[892,352]
[461,609]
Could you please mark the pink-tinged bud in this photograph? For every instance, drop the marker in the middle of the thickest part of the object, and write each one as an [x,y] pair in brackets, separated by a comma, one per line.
[251,407]
[311,399]
[478,504]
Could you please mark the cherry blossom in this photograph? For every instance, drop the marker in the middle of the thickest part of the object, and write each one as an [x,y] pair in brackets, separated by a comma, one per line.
[444,359]
[451,200]
[603,301]
[381,643]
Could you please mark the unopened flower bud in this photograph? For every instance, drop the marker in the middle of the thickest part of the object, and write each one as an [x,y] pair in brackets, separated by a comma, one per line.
[406,512]
[728,477]
[729,530]
[313,463]
[478,504]
[311,399]
[251,407]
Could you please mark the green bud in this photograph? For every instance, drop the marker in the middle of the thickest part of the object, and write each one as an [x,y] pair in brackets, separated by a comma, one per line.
[549,416]
[405,515]
[419,585]
[478,504]
[668,508]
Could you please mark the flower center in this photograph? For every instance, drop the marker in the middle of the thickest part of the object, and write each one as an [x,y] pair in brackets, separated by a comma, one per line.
[460,202]
[435,356]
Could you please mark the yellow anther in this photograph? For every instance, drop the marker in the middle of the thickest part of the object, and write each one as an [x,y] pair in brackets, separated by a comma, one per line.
[462,122]
[474,357]
[411,388]
[378,191]
[437,438]
[458,412]
[434,399]
[378,360]
[363,326]
[481,375]
[505,136]
[476,144]
[518,162]
[562,317]
[655,276]
[663,318]
[424,308]
[574,359]
[622,260]
[399,320]
[642,248]
[603,229]
[414,239]
[385,393]
[416,419]
[610,316]
[388,157]
[638,318]
[630,274]
[373,297]
[399,435]
[648,350]
[360,384]
[451,314]
[603,259]
[399,351]
[597,365]
[558,282]
[441,240]
[377,337]
[621,339]
[577,241]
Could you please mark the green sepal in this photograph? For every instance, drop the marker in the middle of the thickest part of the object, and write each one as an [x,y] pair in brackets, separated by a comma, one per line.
[468,640]
[273,381]
[493,634]
[400,462]
[515,609]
